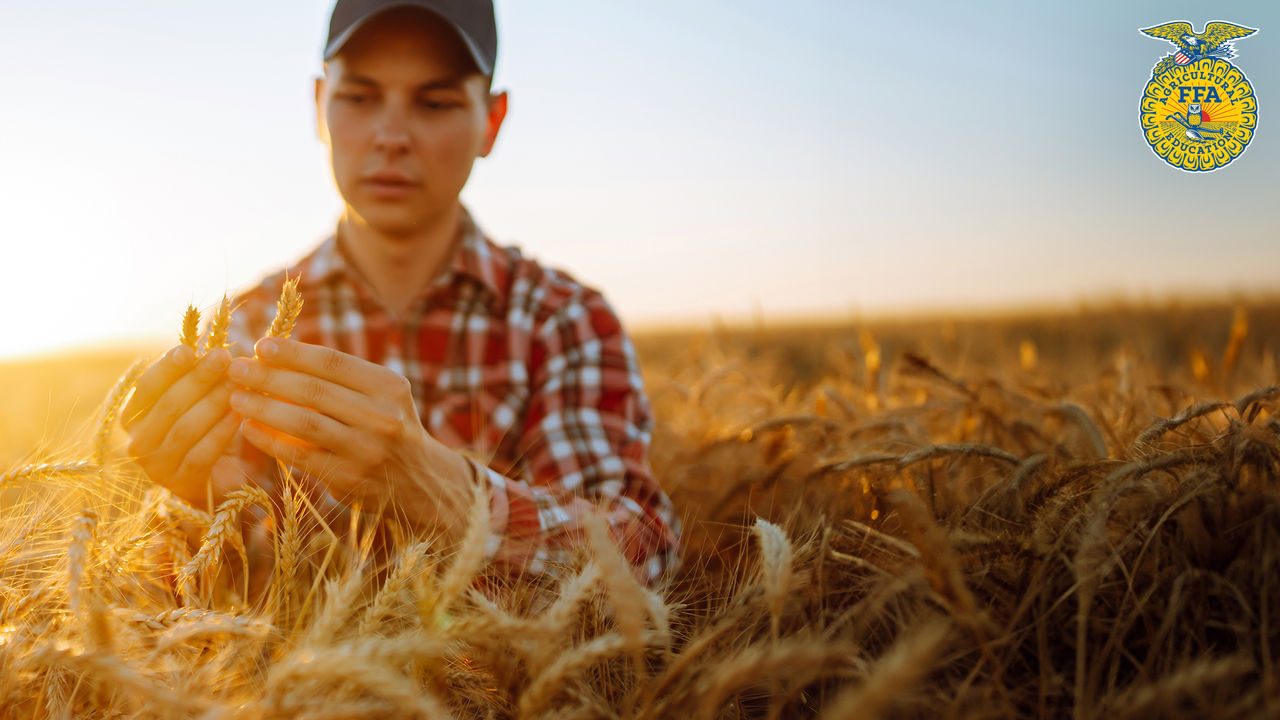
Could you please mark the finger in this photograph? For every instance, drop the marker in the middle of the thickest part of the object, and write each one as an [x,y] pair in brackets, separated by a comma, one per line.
[197,421]
[164,463]
[198,461]
[154,381]
[301,422]
[253,462]
[335,366]
[177,400]
[159,467]
[228,474]
[314,460]
[337,401]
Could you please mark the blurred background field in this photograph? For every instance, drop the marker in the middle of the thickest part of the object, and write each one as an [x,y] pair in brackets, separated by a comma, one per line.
[1026,515]
[49,398]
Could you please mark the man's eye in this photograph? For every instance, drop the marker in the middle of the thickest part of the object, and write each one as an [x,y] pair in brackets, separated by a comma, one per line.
[433,105]
[348,97]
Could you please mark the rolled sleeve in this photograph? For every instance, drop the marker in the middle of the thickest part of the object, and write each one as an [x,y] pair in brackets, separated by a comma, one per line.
[586,442]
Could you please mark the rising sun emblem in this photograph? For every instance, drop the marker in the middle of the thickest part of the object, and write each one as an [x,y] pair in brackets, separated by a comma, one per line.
[1198,110]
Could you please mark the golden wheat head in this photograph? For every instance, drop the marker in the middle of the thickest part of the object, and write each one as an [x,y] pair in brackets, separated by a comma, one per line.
[218,328]
[190,328]
[287,309]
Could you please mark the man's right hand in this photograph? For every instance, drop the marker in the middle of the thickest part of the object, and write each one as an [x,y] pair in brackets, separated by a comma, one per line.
[180,425]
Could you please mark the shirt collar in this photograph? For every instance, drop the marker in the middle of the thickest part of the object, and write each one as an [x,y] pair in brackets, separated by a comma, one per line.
[474,258]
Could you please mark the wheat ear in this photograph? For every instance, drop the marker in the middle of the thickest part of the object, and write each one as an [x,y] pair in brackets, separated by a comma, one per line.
[287,309]
[468,560]
[546,685]
[223,529]
[393,590]
[111,410]
[893,676]
[214,623]
[218,327]
[78,555]
[626,596]
[775,569]
[797,661]
[108,671]
[288,548]
[45,471]
[190,335]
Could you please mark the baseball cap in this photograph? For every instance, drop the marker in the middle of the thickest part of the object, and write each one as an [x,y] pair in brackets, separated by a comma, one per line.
[471,19]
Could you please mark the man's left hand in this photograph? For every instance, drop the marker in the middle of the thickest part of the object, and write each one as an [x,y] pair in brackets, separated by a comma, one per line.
[353,425]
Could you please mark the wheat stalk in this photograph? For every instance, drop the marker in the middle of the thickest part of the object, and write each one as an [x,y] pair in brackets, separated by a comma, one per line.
[1148,699]
[15,609]
[892,676]
[82,531]
[468,560]
[546,685]
[98,626]
[558,618]
[1239,332]
[626,596]
[370,663]
[340,600]
[798,660]
[111,673]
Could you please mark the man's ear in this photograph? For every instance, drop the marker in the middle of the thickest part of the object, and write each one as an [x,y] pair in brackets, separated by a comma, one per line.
[497,113]
[319,90]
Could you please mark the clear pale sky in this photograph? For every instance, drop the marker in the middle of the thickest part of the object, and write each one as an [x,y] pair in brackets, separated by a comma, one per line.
[691,159]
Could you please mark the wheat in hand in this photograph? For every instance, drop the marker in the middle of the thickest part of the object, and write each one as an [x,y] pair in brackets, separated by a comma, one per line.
[288,308]
[218,328]
[190,335]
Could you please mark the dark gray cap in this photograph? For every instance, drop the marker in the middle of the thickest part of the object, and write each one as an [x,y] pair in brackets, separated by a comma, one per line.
[472,19]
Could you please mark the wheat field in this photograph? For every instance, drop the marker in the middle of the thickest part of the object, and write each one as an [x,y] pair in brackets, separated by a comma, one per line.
[1038,516]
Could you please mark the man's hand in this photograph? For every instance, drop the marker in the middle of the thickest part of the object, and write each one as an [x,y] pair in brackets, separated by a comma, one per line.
[352,425]
[179,422]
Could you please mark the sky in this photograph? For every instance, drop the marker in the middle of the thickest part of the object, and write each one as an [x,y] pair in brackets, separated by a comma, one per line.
[695,161]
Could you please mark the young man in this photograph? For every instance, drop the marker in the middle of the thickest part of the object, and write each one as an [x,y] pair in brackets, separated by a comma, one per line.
[420,337]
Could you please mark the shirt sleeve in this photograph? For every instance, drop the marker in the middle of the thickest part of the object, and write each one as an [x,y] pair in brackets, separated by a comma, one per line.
[585,440]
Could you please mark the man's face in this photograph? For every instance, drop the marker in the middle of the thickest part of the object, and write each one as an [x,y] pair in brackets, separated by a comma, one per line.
[403,100]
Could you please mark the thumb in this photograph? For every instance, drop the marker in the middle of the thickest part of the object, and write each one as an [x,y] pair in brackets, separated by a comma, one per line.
[227,475]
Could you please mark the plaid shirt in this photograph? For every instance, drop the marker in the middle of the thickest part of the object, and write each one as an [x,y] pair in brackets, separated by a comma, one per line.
[512,361]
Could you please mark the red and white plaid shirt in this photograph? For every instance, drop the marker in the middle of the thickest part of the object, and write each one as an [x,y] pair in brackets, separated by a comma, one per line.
[511,360]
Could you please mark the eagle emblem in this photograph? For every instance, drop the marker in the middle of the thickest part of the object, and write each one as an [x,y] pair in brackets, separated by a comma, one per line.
[1214,42]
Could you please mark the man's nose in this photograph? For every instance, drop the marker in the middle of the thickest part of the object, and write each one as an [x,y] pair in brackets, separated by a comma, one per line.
[392,131]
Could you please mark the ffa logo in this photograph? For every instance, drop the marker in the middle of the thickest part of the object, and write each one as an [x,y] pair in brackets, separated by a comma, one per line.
[1199,111]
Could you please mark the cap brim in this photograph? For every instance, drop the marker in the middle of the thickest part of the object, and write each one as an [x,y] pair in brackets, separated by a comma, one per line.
[477,56]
